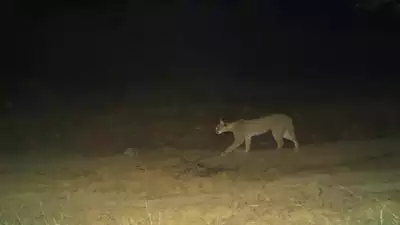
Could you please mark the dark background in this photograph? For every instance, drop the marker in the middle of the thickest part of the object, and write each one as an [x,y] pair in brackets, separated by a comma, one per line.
[77,47]
[71,56]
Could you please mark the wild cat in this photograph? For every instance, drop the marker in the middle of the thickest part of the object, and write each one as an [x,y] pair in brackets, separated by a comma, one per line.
[280,125]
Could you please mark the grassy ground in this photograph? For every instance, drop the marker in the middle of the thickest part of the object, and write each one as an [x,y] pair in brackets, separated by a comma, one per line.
[344,183]
[73,171]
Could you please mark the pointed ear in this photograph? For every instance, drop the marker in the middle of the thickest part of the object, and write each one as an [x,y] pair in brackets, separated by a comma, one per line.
[221,121]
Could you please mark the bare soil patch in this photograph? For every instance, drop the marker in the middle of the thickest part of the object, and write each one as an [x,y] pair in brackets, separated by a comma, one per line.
[337,183]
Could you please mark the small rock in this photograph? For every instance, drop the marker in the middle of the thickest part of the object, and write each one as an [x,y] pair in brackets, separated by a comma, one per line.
[131,152]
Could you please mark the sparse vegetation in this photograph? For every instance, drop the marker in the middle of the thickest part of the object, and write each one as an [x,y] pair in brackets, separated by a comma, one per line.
[72,169]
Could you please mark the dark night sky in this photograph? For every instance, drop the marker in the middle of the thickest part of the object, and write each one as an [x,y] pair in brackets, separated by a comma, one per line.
[118,45]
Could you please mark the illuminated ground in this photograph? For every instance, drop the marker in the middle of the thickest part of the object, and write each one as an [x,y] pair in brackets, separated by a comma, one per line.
[337,183]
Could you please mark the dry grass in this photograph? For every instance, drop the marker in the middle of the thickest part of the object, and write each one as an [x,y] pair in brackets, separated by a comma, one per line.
[157,188]
[71,168]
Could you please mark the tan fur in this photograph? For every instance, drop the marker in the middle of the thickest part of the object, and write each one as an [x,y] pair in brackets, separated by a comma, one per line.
[280,125]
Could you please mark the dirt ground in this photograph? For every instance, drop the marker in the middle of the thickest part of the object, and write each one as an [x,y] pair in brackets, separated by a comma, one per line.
[334,183]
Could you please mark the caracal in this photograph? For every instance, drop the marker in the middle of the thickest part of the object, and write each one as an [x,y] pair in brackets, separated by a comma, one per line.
[280,125]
